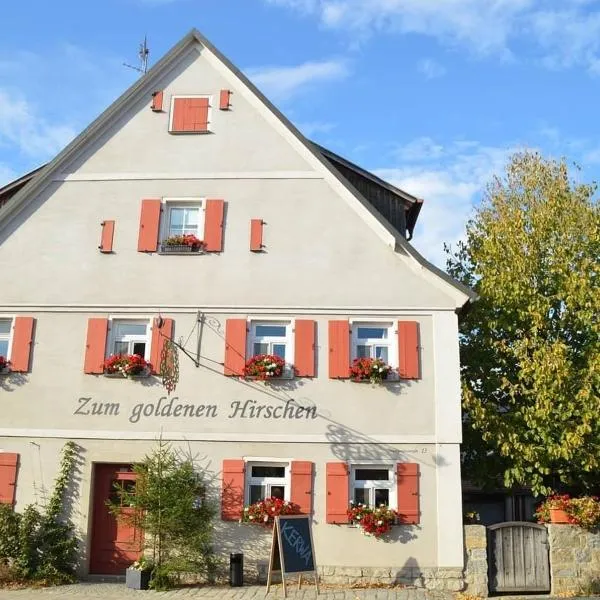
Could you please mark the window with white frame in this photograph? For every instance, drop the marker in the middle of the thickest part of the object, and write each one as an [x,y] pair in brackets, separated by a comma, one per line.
[130,337]
[5,327]
[183,217]
[373,485]
[375,340]
[266,480]
[273,337]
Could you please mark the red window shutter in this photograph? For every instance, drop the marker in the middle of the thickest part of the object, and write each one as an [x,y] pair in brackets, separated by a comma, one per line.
[338,492]
[304,348]
[20,355]
[256,235]
[408,347]
[106,241]
[339,349]
[190,115]
[149,224]
[302,485]
[232,493]
[235,346]
[8,477]
[224,99]
[407,475]
[213,225]
[159,334]
[95,346]
[157,101]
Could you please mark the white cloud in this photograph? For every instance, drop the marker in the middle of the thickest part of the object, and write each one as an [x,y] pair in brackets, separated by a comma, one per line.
[310,128]
[451,180]
[430,68]
[22,128]
[281,83]
[559,33]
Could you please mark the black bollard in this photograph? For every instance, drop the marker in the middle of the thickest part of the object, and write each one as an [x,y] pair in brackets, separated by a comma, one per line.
[236,569]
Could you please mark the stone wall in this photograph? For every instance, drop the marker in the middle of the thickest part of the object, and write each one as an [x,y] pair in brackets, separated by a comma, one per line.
[476,564]
[574,560]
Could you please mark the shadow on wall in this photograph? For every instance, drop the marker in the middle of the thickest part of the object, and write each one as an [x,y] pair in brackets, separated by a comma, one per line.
[11,381]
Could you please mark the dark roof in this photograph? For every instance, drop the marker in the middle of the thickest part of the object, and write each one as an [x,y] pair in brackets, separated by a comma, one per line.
[10,189]
[397,206]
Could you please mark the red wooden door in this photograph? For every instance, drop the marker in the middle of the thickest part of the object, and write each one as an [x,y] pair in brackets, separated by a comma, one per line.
[115,543]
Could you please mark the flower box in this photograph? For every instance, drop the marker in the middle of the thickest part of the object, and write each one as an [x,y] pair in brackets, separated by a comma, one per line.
[264,367]
[369,370]
[137,579]
[4,366]
[558,515]
[180,249]
[143,375]
[127,365]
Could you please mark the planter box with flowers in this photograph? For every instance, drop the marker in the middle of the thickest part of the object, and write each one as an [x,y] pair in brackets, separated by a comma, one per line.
[264,511]
[182,244]
[139,574]
[584,511]
[374,521]
[264,367]
[127,365]
[4,366]
[369,370]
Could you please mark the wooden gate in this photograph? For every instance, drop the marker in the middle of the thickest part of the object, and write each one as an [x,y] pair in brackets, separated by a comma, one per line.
[518,558]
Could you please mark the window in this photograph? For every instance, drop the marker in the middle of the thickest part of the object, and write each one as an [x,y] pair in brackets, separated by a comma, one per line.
[130,337]
[376,340]
[266,480]
[5,327]
[190,114]
[373,485]
[183,217]
[273,337]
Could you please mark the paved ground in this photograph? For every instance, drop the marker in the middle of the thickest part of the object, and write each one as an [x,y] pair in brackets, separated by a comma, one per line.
[115,591]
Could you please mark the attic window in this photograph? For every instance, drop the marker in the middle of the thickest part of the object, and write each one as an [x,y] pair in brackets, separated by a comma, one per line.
[190,114]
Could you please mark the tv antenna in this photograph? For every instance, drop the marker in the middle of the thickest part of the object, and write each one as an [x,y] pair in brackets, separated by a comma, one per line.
[143,54]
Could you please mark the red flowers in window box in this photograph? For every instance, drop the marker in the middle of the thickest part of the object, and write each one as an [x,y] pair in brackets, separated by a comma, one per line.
[264,367]
[373,370]
[373,521]
[4,365]
[264,511]
[183,243]
[128,365]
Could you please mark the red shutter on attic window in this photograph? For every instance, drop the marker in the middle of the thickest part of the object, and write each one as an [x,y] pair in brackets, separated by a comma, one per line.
[256,235]
[159,335]
[149,224]
[190,115]
[232,492]
[95,346]
[302,485]
[338,492]
[20,354]
[304,348]
[407,475]
[106,241]
[408,347]
[224,99]
[157,101]
[213,225]
[235,347]
[339,349]
[8,477]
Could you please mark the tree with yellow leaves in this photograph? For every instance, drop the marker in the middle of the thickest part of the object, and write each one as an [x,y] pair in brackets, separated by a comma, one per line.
[530,345]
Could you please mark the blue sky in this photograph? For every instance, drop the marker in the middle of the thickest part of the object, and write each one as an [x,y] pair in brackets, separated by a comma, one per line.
[431,94]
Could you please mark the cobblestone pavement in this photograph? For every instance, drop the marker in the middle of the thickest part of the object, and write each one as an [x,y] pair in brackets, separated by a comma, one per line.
[115,591]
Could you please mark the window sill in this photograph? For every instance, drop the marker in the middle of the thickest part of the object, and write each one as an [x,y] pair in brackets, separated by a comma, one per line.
[5,372]
[174,132]
[180,249]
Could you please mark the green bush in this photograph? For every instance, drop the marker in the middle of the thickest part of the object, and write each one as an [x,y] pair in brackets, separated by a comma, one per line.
[40,545]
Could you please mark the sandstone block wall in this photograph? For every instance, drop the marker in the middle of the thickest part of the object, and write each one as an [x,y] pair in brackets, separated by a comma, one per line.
[574,560]
[476,564]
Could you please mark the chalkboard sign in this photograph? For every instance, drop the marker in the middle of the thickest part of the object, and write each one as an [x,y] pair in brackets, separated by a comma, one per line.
[292,550]
[296,544]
